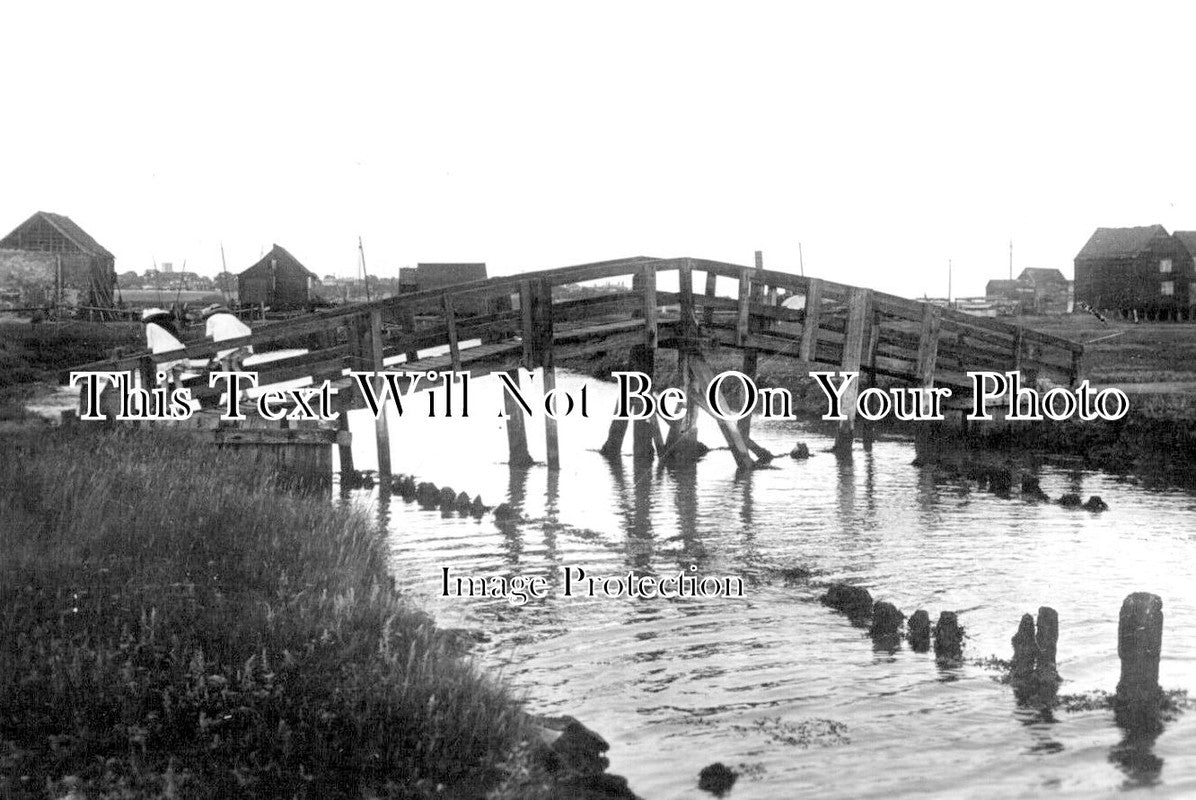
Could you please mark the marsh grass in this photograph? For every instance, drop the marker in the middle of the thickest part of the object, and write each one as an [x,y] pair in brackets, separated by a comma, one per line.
[173,625]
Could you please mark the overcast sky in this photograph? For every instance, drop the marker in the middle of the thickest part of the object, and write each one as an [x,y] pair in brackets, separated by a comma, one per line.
[885,138]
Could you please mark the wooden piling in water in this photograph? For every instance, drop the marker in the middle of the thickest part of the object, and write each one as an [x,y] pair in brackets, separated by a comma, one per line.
[1140,646]
[702,377]
[859,309]
[517,452]
[543,322]
[643,359]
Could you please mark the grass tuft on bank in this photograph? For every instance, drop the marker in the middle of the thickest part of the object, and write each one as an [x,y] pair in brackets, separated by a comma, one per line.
[173,625]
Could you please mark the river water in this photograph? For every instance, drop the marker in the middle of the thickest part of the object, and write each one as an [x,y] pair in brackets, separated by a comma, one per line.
[773,684]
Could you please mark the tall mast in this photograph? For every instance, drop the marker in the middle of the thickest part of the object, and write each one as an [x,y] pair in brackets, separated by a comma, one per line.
[365,278]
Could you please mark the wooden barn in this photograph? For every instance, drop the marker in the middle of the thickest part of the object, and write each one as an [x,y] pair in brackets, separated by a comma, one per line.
[278,281]
[48,260]
[1141,272]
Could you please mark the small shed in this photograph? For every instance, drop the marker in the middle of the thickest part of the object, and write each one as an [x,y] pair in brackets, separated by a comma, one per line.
[1144,270]
[277,281]
[439,275]
[48,260]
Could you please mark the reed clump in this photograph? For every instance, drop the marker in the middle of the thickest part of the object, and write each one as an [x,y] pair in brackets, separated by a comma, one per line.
[173,625]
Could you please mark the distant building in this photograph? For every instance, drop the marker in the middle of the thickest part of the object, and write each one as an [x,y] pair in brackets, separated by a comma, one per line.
[1036,291]
[1009,296]
[49,260]
[1143,271]
[1049,289]
[277,281]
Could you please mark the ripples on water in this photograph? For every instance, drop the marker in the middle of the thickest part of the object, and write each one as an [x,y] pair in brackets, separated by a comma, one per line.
[774,684]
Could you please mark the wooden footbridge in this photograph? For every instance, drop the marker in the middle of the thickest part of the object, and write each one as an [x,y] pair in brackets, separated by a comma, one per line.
[528,320]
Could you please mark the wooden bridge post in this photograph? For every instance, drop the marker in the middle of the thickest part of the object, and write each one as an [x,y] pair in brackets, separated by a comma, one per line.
[518,455]
[868,362]
[544,329]
[450,324]
[682,437]
[742,329]
[807,349]
[643,359]
[702,376]
[928,351]
[711,289]
[381,428]
[859,306]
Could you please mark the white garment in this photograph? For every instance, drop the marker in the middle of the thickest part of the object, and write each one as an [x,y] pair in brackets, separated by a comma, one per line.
[160,340]
[223,326]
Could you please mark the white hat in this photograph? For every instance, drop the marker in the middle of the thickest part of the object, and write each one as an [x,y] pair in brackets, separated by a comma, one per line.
[153,312]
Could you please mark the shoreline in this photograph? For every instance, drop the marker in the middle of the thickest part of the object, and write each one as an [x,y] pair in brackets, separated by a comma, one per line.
[221,634]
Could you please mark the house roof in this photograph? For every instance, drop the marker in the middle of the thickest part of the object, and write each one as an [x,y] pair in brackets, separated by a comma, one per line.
[68,229]
[1002,285]
[1120,242]
[1187,239]
[284,258]
[1041,275]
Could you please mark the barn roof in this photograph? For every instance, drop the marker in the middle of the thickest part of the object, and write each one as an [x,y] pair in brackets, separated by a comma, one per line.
[1041,274]
[1121,242]
[1188,239]
[69,230]
[284,259]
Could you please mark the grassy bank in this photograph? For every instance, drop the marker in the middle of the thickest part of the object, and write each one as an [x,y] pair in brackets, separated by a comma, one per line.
[172,625]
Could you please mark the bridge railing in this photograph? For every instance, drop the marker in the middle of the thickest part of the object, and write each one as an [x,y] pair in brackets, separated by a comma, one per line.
[823,323]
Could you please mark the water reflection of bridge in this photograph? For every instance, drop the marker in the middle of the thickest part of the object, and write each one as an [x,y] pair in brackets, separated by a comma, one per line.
[531,320]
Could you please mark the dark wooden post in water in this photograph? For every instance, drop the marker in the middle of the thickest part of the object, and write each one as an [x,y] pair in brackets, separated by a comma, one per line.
[1140,645]
[518,455]
[643,359]
[407,323]
[703,376]
[749,292]
[682,442]
[859,312]
[381,431]
[344,439]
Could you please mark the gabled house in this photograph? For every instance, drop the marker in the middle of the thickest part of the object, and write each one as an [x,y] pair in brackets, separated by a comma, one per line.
[48,260]
[1142,271]
[277,281]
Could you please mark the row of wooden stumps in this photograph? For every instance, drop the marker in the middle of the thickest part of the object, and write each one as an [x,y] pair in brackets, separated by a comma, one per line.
[884,620]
